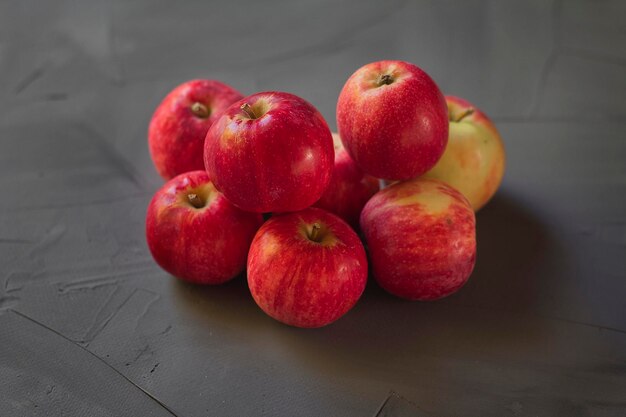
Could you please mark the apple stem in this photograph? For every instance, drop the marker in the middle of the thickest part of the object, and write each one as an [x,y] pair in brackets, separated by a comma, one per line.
[200,110]
[385,79]
[248,110]
[195,200]
[467,112]
[315,230]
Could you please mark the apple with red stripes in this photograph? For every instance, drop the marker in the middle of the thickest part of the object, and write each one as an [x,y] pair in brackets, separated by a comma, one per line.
[393,120]
[349,187]
[195,233]
[180,123]
[306,269]
[270,152]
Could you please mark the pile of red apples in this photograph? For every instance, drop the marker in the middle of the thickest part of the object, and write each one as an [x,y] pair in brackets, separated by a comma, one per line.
[260,183]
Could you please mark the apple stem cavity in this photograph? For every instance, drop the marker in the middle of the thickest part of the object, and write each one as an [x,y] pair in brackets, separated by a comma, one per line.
[467,112]
[384,79]
[315,231]
[195,200]
[249,111]
[200,110]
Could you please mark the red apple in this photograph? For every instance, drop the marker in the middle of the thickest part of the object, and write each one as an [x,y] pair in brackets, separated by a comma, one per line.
[306,269]
[421,238]
[179,125]
[393,120]
[349,187]
[195,233]
[474,159]
[270,152]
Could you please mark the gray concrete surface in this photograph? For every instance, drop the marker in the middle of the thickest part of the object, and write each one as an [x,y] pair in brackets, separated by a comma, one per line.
[89,325]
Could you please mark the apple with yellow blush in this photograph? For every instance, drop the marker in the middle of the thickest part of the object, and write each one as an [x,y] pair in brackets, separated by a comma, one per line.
[474,159]
[421,239]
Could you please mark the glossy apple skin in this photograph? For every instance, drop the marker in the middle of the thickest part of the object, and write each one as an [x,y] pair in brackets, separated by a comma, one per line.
[474,159]
[176,135]
[208,245]
[421,239]
[281,161]
[304,283]
[396,131]
[349,187]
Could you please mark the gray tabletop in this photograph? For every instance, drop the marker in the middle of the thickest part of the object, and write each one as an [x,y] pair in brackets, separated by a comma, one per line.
[89,324]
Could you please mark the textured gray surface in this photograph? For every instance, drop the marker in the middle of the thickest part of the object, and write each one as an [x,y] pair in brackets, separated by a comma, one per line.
[540,329]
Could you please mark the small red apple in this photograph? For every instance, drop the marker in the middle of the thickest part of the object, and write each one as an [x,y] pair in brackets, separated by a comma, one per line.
[393,120]
[270,152]
[306,269]
[474,159]
[421,238]
[349,187]
[195,233]
[179,125]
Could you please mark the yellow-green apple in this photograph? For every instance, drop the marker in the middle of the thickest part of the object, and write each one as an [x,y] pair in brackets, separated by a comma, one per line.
[195,233]
[349,187]
[306,269]
[393,120]
[421,238]
[270,152]
[180,123]
[474,159]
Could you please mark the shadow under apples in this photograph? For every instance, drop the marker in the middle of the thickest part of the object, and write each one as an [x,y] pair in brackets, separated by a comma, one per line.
[387,338]
[499,308]
[519,261]
[230,302]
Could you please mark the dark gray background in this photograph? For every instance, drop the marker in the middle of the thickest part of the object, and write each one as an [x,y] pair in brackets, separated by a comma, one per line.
[89,325]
